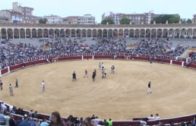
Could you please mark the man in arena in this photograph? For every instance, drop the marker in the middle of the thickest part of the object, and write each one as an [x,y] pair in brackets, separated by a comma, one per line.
[1,85]
[100,65]
[43,86]
[85,74]
[94,75]
[16,86]
[149,90]
[112,69]
[74,76]
[103,73]
[11,90]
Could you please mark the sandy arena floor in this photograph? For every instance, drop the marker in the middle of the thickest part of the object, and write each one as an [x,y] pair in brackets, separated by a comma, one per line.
[120,96]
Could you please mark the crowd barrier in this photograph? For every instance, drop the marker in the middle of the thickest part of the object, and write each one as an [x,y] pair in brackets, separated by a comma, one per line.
[109,56]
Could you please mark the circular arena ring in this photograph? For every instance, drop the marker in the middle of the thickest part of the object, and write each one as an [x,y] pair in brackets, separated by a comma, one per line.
[121,96]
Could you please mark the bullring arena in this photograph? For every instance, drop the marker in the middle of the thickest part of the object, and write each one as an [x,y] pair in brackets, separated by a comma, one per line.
[120,96]
[33,53]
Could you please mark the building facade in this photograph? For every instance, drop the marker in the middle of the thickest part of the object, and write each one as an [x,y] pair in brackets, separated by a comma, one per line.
[26,11]
[136,19]
[87,19]
[54,19]
[18,14]
[70,20]
[194,18]
[5,16]
[11,31]
[11,16]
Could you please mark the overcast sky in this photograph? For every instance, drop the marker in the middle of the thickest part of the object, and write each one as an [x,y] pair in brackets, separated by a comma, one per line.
[186,8]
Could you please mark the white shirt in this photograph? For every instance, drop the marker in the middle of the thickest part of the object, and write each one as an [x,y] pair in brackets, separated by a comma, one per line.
[43,83]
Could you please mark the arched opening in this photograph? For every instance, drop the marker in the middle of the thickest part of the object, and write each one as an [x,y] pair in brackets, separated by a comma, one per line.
[131,33]
[126,33]
[137,34]
[83,33]
[165,33]
[183,33]
[10,33]
[68,33]
[46,33]
[57,32]
[16,33]
[78,33]
[94,33]
[189,33]
[110,35]
[28,33]
[194,33]
[3,33]
[153,33]
[89,33]
[99,33]
[177,33]
[142,33]
[115,33]
[120,33]
[62,33]
[159,33]
[73,33]
[51,33]
[105,33]
[40,33]
[147,33]
[171,33]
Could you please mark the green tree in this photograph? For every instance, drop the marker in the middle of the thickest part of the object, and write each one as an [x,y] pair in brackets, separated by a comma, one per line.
[189,21]
[171,18]
[125,20]
[183,21]
[186,21]
[43,21]
[107,21]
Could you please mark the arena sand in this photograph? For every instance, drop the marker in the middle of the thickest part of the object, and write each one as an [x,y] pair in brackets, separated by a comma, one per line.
[121,96]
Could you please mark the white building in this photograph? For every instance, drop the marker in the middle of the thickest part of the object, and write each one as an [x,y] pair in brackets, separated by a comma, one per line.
[144,18]
[27,13]
[5,15]
[16,17]
[87,19]
[11,16]
[54,19]
[18,14]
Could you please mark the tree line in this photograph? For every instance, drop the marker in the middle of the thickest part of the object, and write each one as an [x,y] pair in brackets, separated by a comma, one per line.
[160,19]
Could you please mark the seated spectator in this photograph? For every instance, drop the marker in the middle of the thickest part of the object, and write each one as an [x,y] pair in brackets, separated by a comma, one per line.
[157,117]
[12,121]
[44,123]
[2,120]
[56,119]
[25,121]
[151,117]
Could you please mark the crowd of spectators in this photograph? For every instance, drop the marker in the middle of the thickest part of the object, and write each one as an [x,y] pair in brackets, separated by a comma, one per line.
[158,48]
[12,116]
[12,53]
[193,56]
